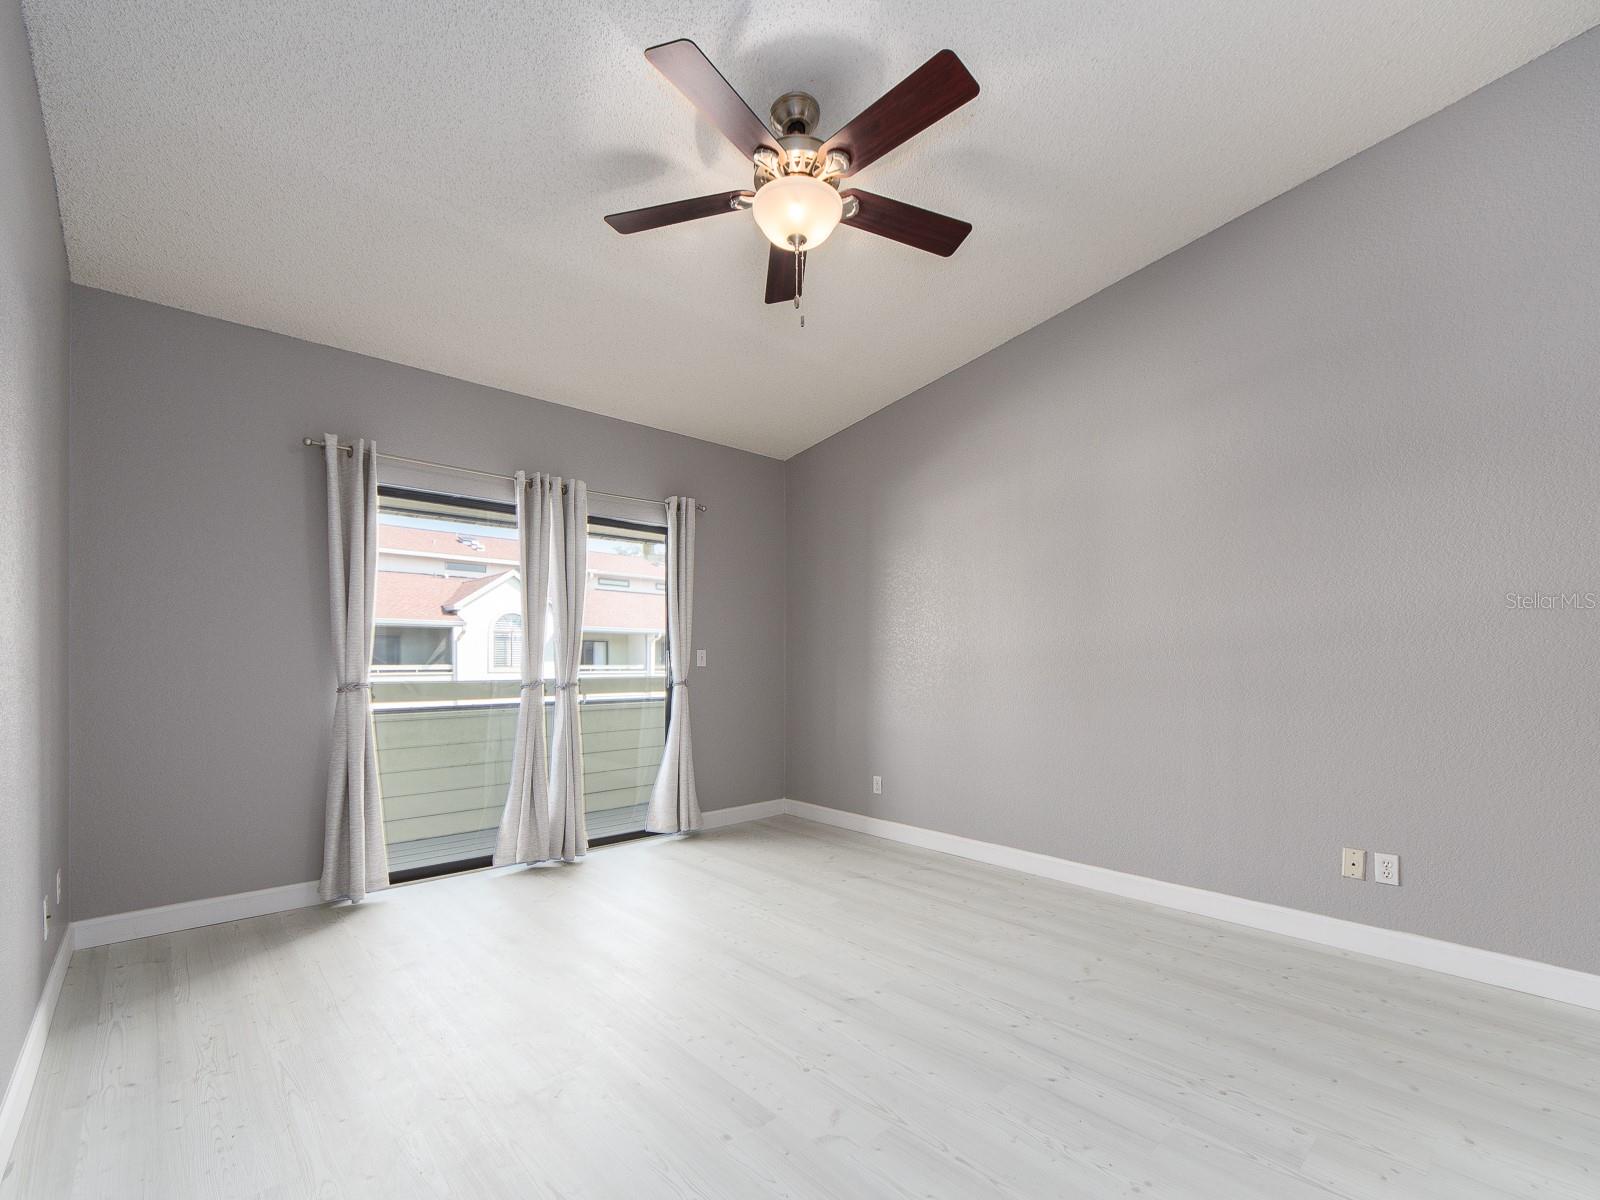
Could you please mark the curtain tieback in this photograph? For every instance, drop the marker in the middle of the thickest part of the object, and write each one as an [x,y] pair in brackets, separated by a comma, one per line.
[680,683]
[343,688]
[562,687]
[537,683]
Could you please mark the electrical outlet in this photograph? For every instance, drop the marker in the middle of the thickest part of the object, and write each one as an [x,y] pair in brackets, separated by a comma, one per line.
[699,658]
[1386,868]
[877,785]
[1354,864]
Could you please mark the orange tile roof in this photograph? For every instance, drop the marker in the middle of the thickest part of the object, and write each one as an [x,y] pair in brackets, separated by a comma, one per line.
[410,596]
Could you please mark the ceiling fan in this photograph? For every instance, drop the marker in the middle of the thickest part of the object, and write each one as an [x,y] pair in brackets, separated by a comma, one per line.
[796,199]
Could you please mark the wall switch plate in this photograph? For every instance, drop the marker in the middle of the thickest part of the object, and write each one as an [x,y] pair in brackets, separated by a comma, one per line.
[1386,868]
[47,918]
[58,885]
[1354,864]
[877,785]
[699,658]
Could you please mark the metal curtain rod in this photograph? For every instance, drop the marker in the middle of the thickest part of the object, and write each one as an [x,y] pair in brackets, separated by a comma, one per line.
[439,466]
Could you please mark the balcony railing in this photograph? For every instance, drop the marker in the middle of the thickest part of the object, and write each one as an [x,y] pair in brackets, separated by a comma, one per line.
[444,760]
[439,670]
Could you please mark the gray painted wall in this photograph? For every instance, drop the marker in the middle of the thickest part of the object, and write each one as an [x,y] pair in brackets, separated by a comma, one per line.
[201,692]
[33,543]
[1206,577]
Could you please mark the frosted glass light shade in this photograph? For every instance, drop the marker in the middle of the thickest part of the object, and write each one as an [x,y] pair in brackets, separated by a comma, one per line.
[797,205]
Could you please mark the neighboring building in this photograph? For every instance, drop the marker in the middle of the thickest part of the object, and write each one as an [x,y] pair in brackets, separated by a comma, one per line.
[449,607]
[624,613]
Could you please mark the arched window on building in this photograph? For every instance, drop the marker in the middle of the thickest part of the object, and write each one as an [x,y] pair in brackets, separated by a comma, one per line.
[506,654]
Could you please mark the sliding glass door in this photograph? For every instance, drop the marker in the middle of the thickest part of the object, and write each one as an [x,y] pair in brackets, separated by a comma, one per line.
[446,649]
[622,679]
[446,673]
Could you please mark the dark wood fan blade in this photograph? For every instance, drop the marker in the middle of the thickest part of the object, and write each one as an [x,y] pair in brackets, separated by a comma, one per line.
[657,215]
[930,231]
[780,274]
[691,72]
[933,91]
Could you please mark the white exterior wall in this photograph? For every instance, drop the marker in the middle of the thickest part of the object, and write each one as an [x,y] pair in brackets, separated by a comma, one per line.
[475,639]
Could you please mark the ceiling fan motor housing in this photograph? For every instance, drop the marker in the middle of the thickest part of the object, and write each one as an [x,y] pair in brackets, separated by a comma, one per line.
[794,117]
[795,112]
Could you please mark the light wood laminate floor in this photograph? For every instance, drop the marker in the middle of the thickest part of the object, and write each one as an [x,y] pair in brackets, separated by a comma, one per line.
[783,1009]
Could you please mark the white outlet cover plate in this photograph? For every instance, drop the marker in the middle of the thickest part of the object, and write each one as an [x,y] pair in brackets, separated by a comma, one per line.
[1386,869]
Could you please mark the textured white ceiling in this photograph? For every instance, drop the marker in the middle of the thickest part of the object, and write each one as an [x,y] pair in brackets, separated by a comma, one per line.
[424,181]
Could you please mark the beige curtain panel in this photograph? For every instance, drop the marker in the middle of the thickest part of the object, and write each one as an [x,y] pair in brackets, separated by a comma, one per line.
[354,858]
[524,835]
[674,803]
[568,839]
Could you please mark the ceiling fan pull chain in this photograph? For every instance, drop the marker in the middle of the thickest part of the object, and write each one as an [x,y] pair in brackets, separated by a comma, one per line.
[799,282]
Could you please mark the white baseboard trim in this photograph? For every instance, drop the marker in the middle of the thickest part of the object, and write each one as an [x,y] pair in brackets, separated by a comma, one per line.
[1411,949]
[760,811]
[192,914]
[26,1069]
